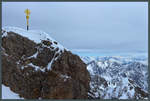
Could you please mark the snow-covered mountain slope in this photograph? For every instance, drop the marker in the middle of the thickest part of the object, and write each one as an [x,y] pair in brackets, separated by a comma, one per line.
[118,77]
[35,35]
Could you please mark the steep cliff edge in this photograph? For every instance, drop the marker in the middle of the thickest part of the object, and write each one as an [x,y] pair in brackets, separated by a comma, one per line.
[36,66]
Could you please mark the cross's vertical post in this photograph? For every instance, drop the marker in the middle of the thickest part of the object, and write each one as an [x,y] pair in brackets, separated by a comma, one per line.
[27,11]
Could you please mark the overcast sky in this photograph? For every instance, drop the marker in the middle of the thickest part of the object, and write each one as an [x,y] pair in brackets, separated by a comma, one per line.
[85,25]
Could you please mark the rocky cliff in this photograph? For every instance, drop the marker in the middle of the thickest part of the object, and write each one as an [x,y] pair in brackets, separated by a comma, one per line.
[37,67]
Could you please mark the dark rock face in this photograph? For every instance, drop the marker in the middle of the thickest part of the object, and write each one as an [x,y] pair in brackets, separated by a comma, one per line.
[23,62]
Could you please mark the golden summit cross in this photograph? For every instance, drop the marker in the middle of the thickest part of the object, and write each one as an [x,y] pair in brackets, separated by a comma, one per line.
[27,11]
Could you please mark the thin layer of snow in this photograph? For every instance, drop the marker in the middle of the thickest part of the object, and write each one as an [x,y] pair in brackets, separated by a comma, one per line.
[89,68]
[36,67]
[87,59]
[4,34]
[124,96]
[125,81]
[113,60]
[34,55]
[144,62]
[50,64]
[65,77]
[8,94]
[102,65]
[132,92]
[53,59]
[35,35]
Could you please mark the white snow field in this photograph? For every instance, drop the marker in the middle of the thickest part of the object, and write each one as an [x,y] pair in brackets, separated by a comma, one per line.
[8,94]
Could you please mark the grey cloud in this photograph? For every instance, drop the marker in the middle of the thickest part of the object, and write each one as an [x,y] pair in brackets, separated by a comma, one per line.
[86,25]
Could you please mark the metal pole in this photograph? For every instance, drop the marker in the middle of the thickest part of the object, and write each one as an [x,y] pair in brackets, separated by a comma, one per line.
[27,27]
[28,23]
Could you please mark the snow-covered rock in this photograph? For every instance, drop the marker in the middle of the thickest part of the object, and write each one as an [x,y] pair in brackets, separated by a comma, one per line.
[114,77]
[38,37]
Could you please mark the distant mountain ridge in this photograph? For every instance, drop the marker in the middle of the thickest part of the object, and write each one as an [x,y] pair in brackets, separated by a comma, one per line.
[114,77]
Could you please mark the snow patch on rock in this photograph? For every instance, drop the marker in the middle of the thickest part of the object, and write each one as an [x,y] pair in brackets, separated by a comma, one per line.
[35,35]
[8,94]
